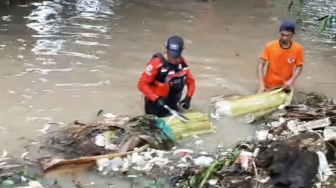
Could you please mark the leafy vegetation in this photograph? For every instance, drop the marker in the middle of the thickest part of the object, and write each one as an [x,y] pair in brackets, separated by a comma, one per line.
[326,21]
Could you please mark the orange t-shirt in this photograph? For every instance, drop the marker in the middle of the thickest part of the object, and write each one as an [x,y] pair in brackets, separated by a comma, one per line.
[281,63]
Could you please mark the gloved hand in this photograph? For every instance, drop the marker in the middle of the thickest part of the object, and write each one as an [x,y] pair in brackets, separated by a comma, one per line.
[185,103]
[159,102]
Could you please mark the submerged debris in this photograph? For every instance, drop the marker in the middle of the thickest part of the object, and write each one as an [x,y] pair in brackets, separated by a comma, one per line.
[111,135]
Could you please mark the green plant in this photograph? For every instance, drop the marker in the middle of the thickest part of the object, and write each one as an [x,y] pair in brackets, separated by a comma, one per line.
[326,21]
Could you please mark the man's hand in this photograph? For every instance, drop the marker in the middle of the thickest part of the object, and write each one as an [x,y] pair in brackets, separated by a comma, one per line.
[289,85]
[261,88]
[185,103]
[159,102]
[260,71]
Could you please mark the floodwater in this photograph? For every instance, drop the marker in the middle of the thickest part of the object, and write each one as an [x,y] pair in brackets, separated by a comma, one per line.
[64,60]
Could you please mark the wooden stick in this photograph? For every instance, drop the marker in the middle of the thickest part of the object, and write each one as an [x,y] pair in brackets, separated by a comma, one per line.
[84,160]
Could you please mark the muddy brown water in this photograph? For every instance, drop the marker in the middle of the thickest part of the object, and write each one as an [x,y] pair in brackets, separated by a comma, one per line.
[65,60]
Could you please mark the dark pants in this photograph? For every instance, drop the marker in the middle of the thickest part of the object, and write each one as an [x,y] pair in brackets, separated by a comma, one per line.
[172,101]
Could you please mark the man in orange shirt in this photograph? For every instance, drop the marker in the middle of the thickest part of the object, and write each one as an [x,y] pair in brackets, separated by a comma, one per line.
[284,60]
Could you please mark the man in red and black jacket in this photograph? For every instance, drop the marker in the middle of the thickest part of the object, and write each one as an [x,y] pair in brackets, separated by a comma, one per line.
[164,78]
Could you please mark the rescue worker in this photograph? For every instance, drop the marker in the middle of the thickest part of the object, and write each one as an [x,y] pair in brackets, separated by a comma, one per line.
[284,59]
[164,78]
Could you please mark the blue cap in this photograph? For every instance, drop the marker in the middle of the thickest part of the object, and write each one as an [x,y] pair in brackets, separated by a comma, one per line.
[287,26]
[175,45]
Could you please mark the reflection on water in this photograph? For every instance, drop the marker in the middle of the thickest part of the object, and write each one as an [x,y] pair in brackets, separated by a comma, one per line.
[92,9]
[45,17]
[60,23]
[47,46]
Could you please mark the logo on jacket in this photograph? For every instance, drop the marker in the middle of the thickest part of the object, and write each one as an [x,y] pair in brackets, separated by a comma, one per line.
[149,69]
[291,60]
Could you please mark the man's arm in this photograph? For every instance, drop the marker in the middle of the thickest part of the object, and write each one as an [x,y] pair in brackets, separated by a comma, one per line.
[191,84]
[147,78]
[260,71]
[298,65]
[264,58]
[297,69]
[296,73]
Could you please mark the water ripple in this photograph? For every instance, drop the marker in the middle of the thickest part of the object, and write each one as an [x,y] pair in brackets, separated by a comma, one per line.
[45,18]
[46,71]
[59,24]
[106,82]
[90,8]
[47,46]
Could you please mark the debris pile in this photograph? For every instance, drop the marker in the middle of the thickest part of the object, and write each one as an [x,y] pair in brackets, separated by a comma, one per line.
[231,168]
[155,163]
[295,148]
[282,163]
[108,138]
[111,134]
[117,142]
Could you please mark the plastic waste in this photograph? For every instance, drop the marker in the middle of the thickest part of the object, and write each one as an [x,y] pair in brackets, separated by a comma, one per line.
[263,135]
[106,165]
[213,181]
[4,153]
[183,152]
[324,170]
[198,142]
[100,140]
[109,115]
[115,164]
[329,133]
[244,159]
[256,152]
[102,163]
[168,131]
[203,161]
